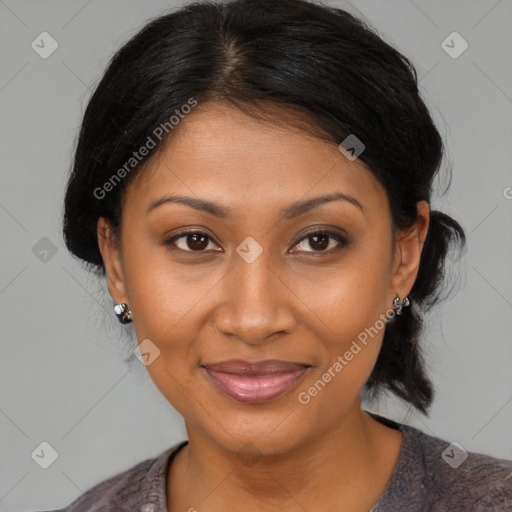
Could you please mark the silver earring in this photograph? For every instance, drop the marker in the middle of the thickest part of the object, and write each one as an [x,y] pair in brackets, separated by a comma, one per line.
[124,315]
[398,305]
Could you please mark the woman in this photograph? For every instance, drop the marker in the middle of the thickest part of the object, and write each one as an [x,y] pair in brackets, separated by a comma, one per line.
[253,179]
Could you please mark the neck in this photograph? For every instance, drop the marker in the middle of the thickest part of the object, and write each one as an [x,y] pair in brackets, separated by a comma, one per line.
[348,465]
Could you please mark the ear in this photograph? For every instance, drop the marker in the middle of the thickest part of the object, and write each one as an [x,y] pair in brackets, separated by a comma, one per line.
[111,254]
[409,245]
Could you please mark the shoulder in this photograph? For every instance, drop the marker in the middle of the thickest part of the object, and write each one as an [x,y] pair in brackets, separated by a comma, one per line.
[457,480]
[436,475]
[141,487]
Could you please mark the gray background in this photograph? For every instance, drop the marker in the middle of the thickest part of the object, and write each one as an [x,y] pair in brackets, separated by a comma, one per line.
[63,375]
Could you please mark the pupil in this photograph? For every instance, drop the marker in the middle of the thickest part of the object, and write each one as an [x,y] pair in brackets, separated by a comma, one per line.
[323,245]
[198,245]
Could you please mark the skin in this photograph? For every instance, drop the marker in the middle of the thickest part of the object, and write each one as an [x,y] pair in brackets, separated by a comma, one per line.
[305,306]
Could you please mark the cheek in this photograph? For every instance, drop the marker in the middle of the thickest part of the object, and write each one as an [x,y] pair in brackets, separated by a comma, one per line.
[161,292]
[350,296]
[167,301]
[347,362]
[353,315]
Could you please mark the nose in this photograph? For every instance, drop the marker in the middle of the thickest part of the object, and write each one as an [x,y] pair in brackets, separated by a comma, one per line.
[257,303]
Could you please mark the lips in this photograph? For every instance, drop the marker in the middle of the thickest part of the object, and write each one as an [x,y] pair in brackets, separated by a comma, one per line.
[261,381]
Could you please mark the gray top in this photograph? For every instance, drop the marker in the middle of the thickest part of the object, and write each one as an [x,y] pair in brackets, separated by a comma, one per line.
[431,475]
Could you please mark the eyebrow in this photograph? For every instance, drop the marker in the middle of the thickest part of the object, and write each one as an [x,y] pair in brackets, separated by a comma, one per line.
[293,210]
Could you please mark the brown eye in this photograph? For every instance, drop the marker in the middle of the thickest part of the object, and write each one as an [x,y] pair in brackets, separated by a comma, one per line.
[190,241]
[319,241]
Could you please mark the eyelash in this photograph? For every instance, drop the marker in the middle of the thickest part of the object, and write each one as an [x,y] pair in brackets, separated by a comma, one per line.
[316,232]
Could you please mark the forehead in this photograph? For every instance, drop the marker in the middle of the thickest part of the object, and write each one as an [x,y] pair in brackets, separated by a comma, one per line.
[222,154]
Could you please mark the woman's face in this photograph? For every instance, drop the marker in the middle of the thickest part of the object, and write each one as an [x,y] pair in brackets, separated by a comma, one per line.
[252,286]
